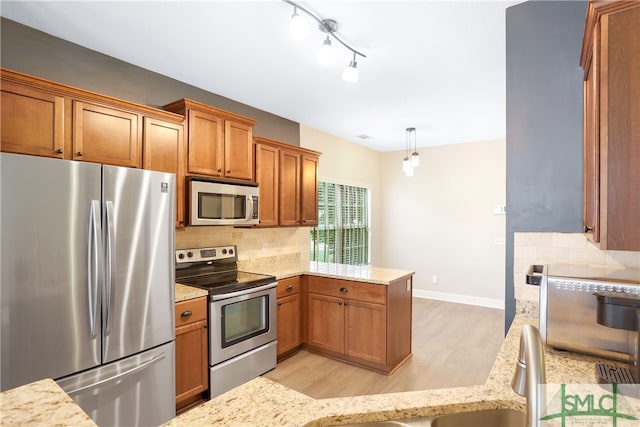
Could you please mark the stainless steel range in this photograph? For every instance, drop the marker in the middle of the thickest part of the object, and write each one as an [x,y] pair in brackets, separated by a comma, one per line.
[242,315]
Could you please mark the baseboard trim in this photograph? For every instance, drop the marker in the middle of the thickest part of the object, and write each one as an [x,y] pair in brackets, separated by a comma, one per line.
[461,299]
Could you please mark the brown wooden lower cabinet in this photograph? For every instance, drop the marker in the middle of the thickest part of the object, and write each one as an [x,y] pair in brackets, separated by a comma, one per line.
[192,374]
[361,323]
[289,325]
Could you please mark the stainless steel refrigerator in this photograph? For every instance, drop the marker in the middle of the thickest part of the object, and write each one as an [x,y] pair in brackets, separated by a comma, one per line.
[87,288]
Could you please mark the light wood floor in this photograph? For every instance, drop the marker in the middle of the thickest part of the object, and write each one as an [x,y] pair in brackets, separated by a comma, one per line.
[453,345]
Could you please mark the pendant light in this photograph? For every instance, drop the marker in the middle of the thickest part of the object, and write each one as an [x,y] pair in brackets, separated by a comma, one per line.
[415,157]
[413,161]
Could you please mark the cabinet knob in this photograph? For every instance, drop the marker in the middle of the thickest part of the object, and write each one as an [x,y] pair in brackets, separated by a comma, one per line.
[344,290]
[346,303]
[288,287]
[58,151]
[219,170]
[78,153]
[279,304]
[186,313]
[340,303]
[181,222]
[228,170]
[587,229]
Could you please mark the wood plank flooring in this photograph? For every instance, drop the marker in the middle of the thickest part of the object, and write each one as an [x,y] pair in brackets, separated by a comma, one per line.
[453,345]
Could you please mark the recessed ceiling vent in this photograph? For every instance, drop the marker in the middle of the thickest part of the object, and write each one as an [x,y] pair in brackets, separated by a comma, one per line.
[365,137]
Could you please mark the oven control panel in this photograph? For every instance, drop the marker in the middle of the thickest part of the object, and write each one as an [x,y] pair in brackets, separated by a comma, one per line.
[206,254]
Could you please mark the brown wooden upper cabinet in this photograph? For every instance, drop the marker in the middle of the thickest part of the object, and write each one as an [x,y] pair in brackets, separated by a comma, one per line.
[220,143]
[164,149]
[31,120]
[611,60]
[287,177]
[106,135]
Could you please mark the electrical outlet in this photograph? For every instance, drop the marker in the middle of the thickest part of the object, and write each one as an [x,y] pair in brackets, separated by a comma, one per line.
[434,279]
[499,209]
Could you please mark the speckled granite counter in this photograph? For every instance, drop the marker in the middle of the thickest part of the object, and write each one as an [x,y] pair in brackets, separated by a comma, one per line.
[360,273]
[184,292]
[41,403]
[262,402]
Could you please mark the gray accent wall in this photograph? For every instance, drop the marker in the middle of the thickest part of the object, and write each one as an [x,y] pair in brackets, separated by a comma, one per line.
[40,54]
[544,123]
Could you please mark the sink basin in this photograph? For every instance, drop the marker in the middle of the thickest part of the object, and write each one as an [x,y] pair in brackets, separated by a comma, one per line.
[485,418]
[488,418]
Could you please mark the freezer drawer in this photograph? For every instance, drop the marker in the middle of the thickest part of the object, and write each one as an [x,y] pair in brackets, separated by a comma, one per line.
[136,391]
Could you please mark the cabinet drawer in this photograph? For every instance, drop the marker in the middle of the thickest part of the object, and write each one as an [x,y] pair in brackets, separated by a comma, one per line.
[360,291]
[288,286]
[197,307]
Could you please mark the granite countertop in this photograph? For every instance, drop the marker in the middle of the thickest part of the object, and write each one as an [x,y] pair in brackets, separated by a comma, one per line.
[263,402]
[185,292]
[41,403]
[360,273]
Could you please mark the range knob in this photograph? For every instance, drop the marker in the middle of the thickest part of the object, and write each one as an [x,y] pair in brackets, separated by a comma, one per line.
[180,255]
[224,252]
[189,254]
[230,251]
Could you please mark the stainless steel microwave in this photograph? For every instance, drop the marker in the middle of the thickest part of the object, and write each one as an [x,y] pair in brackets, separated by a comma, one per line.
[216,203]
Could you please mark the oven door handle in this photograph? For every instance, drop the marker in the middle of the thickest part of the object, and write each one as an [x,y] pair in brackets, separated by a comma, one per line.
[244,292]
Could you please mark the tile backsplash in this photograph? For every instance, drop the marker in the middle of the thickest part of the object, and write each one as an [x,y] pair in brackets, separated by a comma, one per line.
[568,248]
[257,247]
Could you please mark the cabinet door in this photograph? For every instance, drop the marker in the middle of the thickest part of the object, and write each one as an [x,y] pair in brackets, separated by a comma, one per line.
[326,322]
[105,135]
[288,323]
[191,360]
[366,331]
[309,188]
[238,151]
[206,141]
[31,120]
[267,164]
[289,208]
[163,144]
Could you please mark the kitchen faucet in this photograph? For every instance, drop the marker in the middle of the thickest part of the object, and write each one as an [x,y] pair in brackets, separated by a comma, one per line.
[529,377]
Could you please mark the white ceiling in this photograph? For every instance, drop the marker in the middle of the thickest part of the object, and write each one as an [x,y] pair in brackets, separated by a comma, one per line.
[435,66]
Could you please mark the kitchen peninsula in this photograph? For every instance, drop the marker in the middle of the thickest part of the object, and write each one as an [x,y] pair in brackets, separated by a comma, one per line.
[262,401]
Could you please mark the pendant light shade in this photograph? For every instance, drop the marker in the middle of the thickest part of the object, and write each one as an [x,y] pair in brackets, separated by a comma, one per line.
[298,26]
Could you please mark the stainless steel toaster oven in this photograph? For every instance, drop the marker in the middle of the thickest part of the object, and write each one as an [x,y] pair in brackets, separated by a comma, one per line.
[568,307]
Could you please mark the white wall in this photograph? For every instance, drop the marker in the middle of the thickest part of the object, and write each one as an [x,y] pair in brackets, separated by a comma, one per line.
[440,221]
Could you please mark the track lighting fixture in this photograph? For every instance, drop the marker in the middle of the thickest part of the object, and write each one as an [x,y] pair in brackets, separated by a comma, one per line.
[409,163]
[299,29]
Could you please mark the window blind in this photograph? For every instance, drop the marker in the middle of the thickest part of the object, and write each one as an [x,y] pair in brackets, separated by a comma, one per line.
[342,234]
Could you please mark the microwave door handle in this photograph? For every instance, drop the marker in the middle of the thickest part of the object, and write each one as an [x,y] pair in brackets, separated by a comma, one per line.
[249,208]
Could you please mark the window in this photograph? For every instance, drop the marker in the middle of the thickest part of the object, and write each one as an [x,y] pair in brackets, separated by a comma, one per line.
[342,234]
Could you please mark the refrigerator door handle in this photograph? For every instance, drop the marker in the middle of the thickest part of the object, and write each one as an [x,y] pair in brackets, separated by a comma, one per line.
[120,375]
[109,269]
[93,266]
